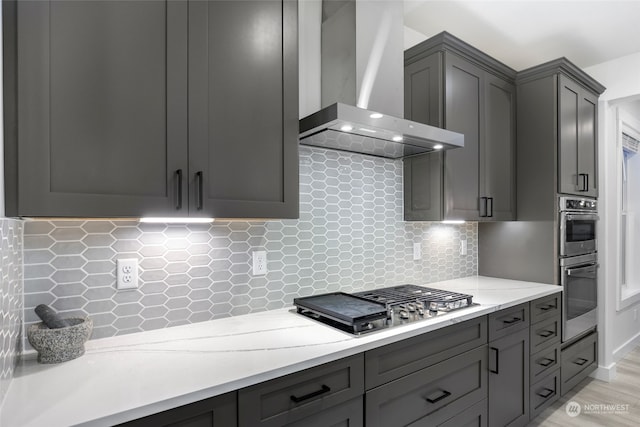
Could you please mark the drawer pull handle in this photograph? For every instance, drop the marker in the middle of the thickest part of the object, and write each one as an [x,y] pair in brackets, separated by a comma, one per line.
[546,334]
[547,307]
[546,393]
[514,320]
[581,361]
[545,362]
[323,390]
[444,394]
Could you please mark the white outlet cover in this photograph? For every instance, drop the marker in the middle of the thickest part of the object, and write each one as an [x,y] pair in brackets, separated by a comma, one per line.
[127,273]
[417,251]
[463,247]
[259,263]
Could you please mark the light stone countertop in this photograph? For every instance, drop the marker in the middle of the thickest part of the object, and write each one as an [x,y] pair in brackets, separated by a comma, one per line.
[131,376]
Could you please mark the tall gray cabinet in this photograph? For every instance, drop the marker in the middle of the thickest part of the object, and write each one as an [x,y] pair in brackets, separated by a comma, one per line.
[154,108]
[452,85]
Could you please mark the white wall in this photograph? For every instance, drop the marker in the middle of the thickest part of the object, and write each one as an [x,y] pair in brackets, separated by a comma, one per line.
[309,24]
[620,328]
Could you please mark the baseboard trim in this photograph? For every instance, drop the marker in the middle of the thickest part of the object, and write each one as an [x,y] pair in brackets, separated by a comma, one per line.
[605,373]
[620,352]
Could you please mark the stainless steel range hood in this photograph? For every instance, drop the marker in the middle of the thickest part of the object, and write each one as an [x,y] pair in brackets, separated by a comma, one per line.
[348,128]
[362,63]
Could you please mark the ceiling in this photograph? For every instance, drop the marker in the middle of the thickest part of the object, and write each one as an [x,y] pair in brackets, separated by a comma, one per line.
[524,33]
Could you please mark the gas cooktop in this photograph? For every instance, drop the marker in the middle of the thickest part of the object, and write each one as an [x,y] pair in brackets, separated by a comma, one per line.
[380,308]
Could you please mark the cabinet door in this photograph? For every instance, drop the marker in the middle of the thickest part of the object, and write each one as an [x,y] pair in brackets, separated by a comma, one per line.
[219,411]
[423,174]
[587,142]
[497,154]
[509,380]
[578,139]
[103,108]
[243,109]
[464,114]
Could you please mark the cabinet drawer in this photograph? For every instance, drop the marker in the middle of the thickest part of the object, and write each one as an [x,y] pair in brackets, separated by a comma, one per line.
[544,362]
[578,361]
[545,334]
[475,416]
[546,308]
[431,395]
[296,396]
[544,393]
[507,321]
[349,414]
[396,360]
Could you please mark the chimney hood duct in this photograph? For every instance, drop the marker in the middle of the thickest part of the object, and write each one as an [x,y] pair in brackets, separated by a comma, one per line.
[362,56]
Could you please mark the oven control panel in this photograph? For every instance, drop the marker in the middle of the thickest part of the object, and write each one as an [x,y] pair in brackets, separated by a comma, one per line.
[578,204]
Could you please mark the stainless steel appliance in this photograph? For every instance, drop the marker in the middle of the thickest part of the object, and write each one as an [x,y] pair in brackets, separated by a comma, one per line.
[578,221]
[380,308]
[579,279]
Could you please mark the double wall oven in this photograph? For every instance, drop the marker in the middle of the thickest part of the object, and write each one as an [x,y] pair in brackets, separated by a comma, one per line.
[578,218]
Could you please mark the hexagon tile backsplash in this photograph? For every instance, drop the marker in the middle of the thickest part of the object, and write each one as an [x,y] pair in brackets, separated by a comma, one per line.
[11,308]
[350,236]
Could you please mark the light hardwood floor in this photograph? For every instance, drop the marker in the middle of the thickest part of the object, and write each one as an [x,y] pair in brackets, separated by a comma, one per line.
[624,390]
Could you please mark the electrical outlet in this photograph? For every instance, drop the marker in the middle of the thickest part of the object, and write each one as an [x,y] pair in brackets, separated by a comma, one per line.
[463,247]
[127,273]
[259,263]
[417,251]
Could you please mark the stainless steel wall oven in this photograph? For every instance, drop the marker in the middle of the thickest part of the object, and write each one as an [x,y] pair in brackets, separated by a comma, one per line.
[578,220]
[579,279]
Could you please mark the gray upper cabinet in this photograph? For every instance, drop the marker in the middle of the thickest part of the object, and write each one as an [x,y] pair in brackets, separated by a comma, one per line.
[243,108]
[557,131]
[453,85]
[577,151]
[154,108]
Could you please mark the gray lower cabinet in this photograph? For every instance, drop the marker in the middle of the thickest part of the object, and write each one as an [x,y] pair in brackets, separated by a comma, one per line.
[509,379]
[432,395]
[310,394]
[219,411]
[474,416]
[578,361]
[544,347]
[453,85]
[153,108]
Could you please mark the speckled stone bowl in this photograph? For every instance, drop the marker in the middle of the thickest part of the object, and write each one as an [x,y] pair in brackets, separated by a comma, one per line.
[60,345]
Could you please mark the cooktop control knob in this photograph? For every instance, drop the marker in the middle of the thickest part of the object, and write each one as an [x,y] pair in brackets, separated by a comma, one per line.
[404,314]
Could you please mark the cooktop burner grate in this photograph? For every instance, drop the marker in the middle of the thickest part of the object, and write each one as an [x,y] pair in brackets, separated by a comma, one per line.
[380,308]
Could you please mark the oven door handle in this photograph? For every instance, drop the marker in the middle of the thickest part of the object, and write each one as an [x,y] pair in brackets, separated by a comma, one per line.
[582,217]
[591,268]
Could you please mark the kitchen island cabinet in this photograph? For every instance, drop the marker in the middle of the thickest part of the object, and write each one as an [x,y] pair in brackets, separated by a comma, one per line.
[154,108]
[452,85]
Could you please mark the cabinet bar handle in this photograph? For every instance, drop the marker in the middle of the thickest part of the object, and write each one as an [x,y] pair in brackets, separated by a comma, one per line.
[483,203]
[545,393]
[514,320]
[199,190]
[490,207]
[325,389]
[178,189]
[545,334]
[497,353]
[545,361]
[444,394]
[580,361]
[546,307]
[585,181]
